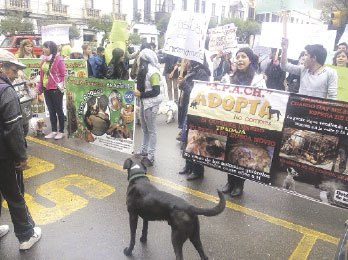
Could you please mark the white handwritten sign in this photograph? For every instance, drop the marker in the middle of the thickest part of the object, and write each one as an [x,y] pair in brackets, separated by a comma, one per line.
[185,36]
[223,37]
[58,33]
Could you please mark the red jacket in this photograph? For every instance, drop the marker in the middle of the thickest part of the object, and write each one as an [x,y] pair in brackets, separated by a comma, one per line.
[57,72]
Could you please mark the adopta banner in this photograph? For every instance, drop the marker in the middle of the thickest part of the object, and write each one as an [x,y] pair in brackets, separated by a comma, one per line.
[101,112]
[289,141]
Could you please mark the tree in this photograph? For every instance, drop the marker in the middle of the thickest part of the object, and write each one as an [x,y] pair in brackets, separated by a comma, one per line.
[134,38]
[244,28]
[163,24]
[103,24]
[14,22]
[213,22]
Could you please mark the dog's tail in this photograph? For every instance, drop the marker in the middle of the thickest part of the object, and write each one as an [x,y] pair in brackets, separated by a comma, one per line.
[212,211]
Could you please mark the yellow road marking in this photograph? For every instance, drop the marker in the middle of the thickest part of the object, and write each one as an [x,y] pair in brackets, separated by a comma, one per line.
[301,251]
[66,201]
[304,248]
[37,166]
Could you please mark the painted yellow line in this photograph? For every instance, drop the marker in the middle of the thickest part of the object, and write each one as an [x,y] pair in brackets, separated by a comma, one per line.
[310,235]
[36,167]
[304,248]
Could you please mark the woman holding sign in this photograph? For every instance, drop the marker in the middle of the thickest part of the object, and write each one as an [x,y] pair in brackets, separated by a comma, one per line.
[245,75]
[52,73]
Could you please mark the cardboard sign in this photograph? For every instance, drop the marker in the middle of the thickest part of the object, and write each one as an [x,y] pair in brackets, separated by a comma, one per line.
[185,36]
[223,37]
[58,33]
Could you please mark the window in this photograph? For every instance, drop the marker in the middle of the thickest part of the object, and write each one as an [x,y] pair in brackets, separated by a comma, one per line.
[213,9]
[196,7]
[158,6]
[147,10]
[267,17]
[90,4]
[117,6]
[184,5]
[203,7]
[222,12]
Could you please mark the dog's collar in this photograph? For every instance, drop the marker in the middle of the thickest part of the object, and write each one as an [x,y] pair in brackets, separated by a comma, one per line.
[137,175]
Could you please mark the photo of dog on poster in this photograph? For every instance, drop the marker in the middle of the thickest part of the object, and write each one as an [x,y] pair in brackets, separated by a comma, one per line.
[206,144]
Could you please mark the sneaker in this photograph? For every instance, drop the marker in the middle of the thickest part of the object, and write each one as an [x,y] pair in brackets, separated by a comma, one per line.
[28,244]
[59,136]
[51,135]
[4,230]
[144,154]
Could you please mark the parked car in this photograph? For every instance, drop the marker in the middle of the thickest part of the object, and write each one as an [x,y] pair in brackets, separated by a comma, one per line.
[12,42]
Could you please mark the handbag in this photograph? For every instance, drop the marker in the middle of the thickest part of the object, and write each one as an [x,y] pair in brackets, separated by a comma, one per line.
[60,84]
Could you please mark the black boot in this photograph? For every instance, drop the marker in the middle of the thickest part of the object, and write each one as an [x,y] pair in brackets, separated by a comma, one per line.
[229,185]
[197,171]
[186,169]
[238,188]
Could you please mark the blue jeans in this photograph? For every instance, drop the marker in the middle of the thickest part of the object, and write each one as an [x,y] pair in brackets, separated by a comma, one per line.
[148,125]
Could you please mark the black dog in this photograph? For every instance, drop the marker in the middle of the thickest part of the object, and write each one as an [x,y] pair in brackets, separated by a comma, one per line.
[146,201]
[273,111]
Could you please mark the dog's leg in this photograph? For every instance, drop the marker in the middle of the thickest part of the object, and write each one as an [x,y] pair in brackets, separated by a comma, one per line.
[133,222]
[178,240]
[143,237]
[196,240]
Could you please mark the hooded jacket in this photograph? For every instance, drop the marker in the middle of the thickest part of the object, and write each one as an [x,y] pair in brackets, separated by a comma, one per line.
[153,67]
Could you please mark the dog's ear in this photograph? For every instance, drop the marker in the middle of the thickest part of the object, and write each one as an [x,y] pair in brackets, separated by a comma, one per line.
[127,164]
[146,162]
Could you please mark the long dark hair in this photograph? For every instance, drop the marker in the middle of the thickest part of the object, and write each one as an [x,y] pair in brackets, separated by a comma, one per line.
[53,48]
[143,69]
[243,77]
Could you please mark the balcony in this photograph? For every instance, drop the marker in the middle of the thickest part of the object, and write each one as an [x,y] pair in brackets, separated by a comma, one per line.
[57,9]
[91,13]
[18,5]
[118,16]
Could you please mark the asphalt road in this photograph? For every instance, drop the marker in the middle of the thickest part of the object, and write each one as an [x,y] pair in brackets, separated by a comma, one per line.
[76,194]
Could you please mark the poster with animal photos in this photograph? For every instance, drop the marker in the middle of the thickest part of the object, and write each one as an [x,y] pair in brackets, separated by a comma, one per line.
[289,141]
[76,68]
[101,112]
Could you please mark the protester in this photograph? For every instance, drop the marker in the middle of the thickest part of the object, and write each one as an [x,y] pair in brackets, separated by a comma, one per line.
[293,81]
[87,53]
[341,58]
[221,65]
[245,75]
[340,63]
[128,55]
[149,91]
[275,75]
[25,50]
[98,64]
[116,68]
[13,155]
[52,72]
[315,79]
[170,72]
[76,53]
[342,46]
[195,71]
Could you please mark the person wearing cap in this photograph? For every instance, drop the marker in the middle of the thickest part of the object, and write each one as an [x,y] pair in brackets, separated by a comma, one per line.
[245,75]
[13,154]
[52,72]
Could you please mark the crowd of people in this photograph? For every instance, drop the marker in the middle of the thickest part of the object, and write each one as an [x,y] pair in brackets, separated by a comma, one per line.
[308,76]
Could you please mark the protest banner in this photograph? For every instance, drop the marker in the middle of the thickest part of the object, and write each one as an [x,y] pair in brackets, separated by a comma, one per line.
[101,112]
[117,38]
[299,36]
[277,138]
[58,33]
[76,68]
[223,38]
[270,6]
[185,36]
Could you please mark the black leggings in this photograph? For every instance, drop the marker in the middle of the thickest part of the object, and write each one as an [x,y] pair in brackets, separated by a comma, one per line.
[54,102]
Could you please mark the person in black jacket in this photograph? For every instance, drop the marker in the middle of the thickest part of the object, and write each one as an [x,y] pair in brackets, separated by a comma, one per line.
[116,68]
[170,72]
[195,71]
[13,154]
[275,75]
